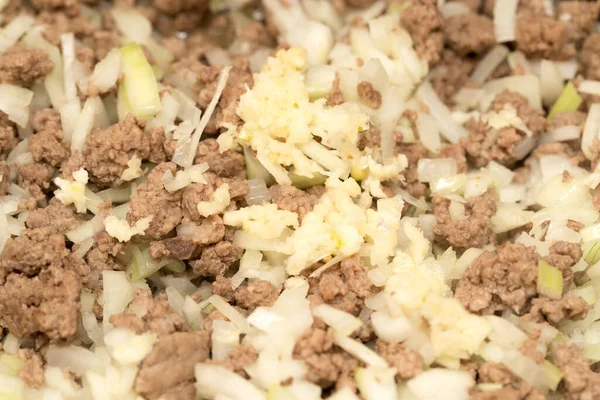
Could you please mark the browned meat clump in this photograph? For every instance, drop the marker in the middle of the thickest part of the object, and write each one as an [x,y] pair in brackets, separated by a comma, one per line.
[469,33]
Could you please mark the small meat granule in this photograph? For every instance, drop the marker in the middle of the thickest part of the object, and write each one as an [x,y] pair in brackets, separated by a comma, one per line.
[179,247]
[56,216]
[580,382]
[589,58]
[46,146]
[239,358]
[370,138]
[408,363]
[454,74]
[564,256]
[257,293]
[423,21]
[4,177]
[197,192]
[335,97]
[107,151]
[36,179]
[327,364]
[532,118]
[24,67]
[228,164]
[566,118]
[171,362]
[149,314]
[152,199]
[46,119]
[575,156]
[47,303]
[580,17]
[413,152]
[369,95]
[469,34]
[216,259]
[514,387]
[569,307]
[504,277]
[33,372]
[543,37]
[292,199]
[8,136]
[457,152]
[475,230]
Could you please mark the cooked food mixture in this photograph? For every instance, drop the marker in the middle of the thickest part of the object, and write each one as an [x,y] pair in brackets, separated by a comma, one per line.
[299,200]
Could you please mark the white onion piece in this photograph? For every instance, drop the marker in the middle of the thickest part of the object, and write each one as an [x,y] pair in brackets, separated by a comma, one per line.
[589,87]
[217,56]
[69,114]
[212,380]
[132,24]
[429,169]
[67,41]
[517,60]
[591,130]
[117,294]
[525,147]
[551,82]
[505,17]
[19,149]
[453,9]
[360,351]
[77,359]
[526,85]
[106,72]
[84,125]
[451,130]
[455,385]
[429,132]
[504,333]
[562,134]
[229,312]
[84,247]
[568,69]
[376,383]
[11,344]
[17,27]
[469,97]
[341,321]
[225,338]
[85,230]
[489,63]
[257,192]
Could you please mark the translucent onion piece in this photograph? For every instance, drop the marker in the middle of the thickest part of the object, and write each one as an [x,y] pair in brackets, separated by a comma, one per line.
[339,320]
[451,130]
[518,61]
[257,192]
[14,101]
[106,72]
[591,130]
[139,82]
[562,134]
[589,87]
[526,85]
[430,169]
[489,63]
[16,28]
[551,82]
[360,351]
[213,380]
[453,9]
[505,17]
[229,312]
[84,125]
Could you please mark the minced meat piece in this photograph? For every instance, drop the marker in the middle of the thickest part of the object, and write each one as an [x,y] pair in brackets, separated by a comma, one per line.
[56,216]
[8,136]
[24,67]
[474,5]
[107,151]
[569,307]
[33,372]
[292,199]
[359,3]
[368,94]
[454,73]
[335,97]
[47,303]
[423,21]
[469,33]
[239,358]
[36,179]
[369,138]
[539,36]
[457,152]
[178,247]
[414,152]
[197,192]
[344,287]
[474,231]
[46,119]
[514,387]
[532,118]
[4,177]
[46,146]
[228,164]
[589,59]
[149,314]
[171,362]
[44,250]
[575,156]
[505,276]
[327,364]
[566,118]
[216,259]
[564,255]
[152,199]
[580,17]
[257,293]
[580,382]
[408,363]
[179,15]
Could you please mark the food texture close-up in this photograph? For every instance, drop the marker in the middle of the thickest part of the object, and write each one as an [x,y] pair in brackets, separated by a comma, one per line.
[299,200]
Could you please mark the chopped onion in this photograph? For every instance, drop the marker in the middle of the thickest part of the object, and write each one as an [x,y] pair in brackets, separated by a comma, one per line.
[192,312]
[11,344]
[339,320]
[429,132]
[14,101]
[589,87]
[229,312]
[429,169]
[517,60]
[67,41]
[455,385]
[132,24]
[69,114]
[175,300]
[77,359]
[17,27]
[526,85]
[85,230]
[168,113]
[489,63]
[569,100]
[84,125]
[212,380]
[376,383]
[360,351]
[117,294]
[185,153]
[391,329]
[116,196]
[510,216]
[318,80]
[225,338]
[250,242]
[451,130]
[505,17]
[84,247]
[468,97]
[106,72]
[257,192]
[562,134]
[551,82]
[217,57]
[139,82]
[504,333]
[591,130]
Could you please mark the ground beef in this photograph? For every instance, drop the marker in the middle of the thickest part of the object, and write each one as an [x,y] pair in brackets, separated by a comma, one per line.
[46,146]
[454,73]
[569,307]
[408,363]
[46,119]
[414,152]
[33,372]
[102,256]
[563,256]
[292,199]
[539,36]
[344,287]
[566,118]
[475,231]
[45,249]
[474,5]
[56,216]
[424,23]
[216,259]
[47,303]
[575,156]
[514,388]
[4,177]
[335,97]
[369,95]
[359,3]
[257,293]
[239,358]
[107,151]
[152,199]
[457,152]
[24,67]
[506,276]
[589,59]
[36,179]
[469,34]
[179,15]
[580,382]
[369,138]
[532,118]
[149,314]
[580,17]
[8,136]
[171,362]
[197,192]
[228,164]
[327,364]
[178,247]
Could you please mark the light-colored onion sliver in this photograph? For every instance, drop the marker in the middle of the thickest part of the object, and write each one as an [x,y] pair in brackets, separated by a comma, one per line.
[591,130]
[449,128]
[505,17]
[589,87]
[562,134]
[489,63]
